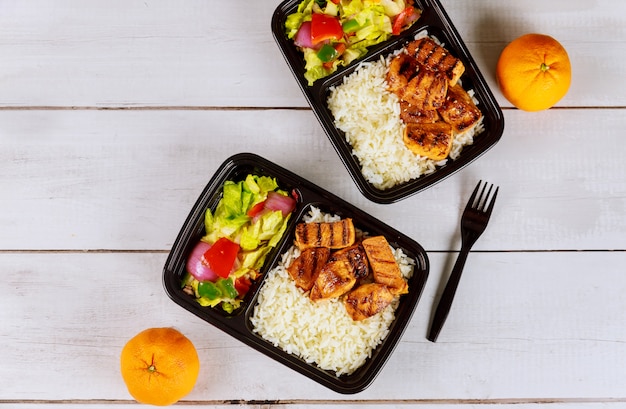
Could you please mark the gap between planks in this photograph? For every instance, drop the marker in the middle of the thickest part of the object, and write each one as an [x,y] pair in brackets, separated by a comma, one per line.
[288,402]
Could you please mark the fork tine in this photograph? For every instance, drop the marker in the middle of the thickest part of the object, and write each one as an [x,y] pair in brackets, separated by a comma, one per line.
[482,204]
[482,198]
[470,202]
[493,201]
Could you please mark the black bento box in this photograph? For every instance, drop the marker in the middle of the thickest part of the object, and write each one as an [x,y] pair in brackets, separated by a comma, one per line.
[436,22]
[238,323]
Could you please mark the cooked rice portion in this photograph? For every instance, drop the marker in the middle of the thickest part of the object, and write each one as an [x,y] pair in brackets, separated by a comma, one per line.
[369,115]
[319,332]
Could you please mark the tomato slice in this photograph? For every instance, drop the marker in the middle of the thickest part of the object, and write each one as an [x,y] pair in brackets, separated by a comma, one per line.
[401,19]
[242,285]
[256,209]
[221,256]
[324,28]
[341,48]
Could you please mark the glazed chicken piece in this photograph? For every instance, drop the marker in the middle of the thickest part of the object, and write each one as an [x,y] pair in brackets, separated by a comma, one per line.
[426,90]
[356,257]
[410,114]
[432,104]
[367,300]
[401,68]
[422,88]
[334,235]
[435,58]
[307,266]
[433,140]
[384,266]
[459,109]
[334,280]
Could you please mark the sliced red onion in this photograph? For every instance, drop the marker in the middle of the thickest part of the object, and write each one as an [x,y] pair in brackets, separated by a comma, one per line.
[276,201]
[412,18]
[197,265]
[303,36]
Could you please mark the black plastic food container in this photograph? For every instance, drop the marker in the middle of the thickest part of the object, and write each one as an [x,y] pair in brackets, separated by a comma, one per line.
[436,22]
[307,194]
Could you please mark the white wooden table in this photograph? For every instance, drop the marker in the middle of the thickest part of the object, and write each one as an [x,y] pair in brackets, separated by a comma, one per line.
[114,115]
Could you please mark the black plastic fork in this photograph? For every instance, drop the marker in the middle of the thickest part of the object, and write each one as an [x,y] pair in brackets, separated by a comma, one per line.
[473,223]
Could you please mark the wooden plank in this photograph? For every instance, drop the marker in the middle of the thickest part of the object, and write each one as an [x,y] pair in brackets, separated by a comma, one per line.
[515,404]
[202,54]
[536,326]
[127,179]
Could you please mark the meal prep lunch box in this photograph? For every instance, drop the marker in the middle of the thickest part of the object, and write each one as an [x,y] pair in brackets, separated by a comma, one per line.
[238,323]
[436,23]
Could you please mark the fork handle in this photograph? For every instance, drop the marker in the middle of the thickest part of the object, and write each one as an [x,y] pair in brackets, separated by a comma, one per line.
[445,302]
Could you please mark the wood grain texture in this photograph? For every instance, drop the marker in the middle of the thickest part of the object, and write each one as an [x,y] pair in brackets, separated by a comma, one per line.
[159,53]
[310,404]
[523,326]
[562,185]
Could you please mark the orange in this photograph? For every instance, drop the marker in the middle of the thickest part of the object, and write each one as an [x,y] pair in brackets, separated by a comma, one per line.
[159,366]
[534,72]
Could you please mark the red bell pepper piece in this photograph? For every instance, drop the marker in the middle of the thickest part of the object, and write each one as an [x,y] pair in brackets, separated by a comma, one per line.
[221,256]
[324,28]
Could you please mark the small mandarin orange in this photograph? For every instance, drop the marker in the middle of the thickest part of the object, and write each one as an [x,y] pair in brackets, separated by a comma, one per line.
[159,366]
[534,72]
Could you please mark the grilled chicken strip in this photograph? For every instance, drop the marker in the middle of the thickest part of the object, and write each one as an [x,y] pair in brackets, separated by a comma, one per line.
[401,68]
[433,141]
[367,300]
[436,58]
[426,90]
[459,109]
[335,279]
[410,114]
[307,266]
[356,257]
[422,88]
[334,235]
[384,266]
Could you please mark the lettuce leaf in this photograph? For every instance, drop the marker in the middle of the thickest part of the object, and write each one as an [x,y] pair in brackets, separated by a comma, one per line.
[230,218]
[375,22]
[295,20]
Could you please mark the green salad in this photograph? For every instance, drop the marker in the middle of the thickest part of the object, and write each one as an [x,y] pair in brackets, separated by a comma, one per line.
[333,33]
[247,223]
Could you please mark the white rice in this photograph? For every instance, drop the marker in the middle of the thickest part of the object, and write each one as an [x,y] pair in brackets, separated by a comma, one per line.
[369,115]
[319,332]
